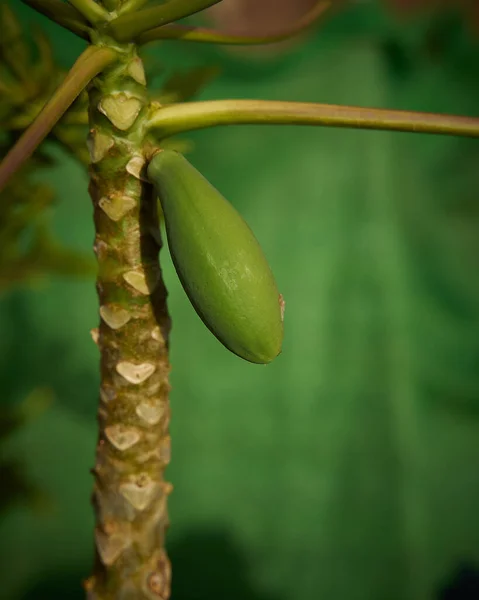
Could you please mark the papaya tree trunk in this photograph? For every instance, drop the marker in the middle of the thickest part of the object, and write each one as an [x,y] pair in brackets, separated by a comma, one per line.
[133,449]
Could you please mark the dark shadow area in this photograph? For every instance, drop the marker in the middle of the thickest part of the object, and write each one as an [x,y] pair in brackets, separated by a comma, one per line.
[462,585]
[209,565]
[57,586]
[150,246]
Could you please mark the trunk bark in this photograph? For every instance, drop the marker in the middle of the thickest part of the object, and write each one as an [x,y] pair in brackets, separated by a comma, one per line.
[130,493]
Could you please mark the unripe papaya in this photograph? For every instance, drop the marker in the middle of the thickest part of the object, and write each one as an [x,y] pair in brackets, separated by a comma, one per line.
[218,261]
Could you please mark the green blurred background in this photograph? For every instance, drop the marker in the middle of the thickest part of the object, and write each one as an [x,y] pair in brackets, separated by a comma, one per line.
[349,468]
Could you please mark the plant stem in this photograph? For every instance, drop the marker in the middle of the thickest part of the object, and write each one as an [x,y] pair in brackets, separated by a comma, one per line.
[127,27]
[90,10]
[203,35]
[131,5]
[171,120]
[62,14]
[88,65]
[133,447]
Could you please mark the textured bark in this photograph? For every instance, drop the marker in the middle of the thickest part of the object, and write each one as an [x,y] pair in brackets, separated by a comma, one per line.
[133,449]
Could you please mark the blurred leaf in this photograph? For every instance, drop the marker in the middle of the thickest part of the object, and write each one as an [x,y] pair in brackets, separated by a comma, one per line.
[183,86]
[14,49]
[28,249]
[16,486]
[32,407]
[45,64]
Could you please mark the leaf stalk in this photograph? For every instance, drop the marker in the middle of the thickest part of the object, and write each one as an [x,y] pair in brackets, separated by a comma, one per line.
[171,120]
[90,10]
[63,14]
[128,26]
[90,63]
[204,35]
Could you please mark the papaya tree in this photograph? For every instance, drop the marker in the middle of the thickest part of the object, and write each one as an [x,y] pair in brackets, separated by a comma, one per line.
[217,258]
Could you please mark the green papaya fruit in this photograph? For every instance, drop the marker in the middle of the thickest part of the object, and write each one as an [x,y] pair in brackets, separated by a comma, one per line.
[218,260]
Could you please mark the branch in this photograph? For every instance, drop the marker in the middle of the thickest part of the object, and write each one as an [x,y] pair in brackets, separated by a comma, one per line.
[90,10]
[171,120]
[131,5]
[127,27]
[63,14]
[202,35]
[88,66]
